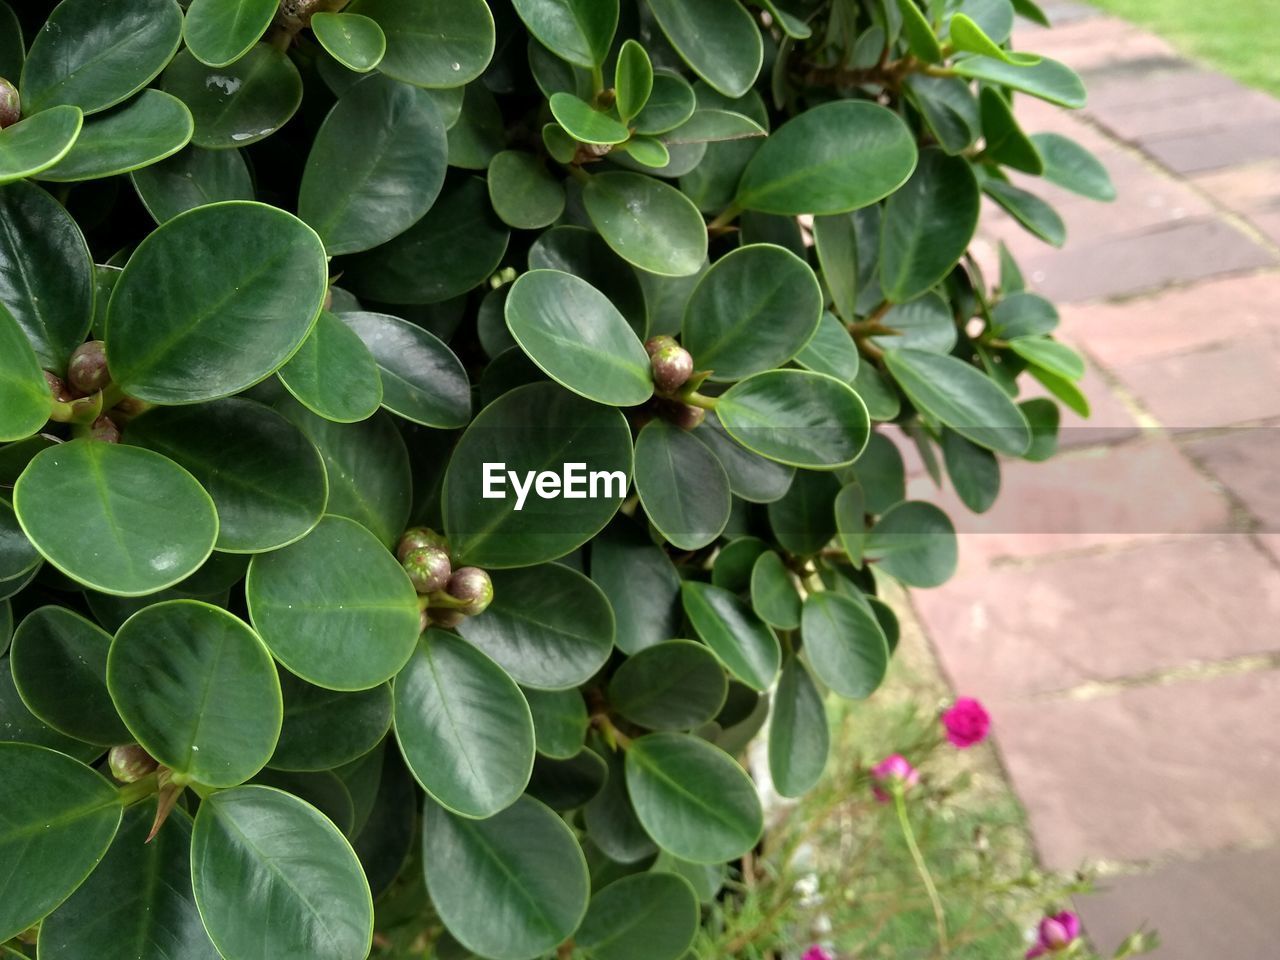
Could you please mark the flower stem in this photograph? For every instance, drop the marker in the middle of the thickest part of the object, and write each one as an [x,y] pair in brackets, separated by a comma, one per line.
[922,868]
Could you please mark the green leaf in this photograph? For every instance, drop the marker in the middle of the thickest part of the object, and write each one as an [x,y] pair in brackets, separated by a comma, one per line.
[512,887]
[671,103]
[356,42]
[24,395]
[220,32]
[968,36]
[13,50]
[924,323]
[439,44]
[1044,417]
[310,897]
[324,729]
[715,126]
[1033,213]
[584,253]
[739,638]
[948,107]
[928,225]
[46,273]
[805,419]
[914,542]
[579,31]
[138,903]
[479,134]
[646,916]
[1074,168]
[974,471]
[308,600]
[610,819]
[641,584]
[20,725]
[683,487]
[1064,390]
[831,351]
[578,338]
[918,32]
[799,740]
[192,178]
[960,396]
[1047,79]
[376,165]
[524,194]
[59,818]
[94,57]
[1023,314]
[673,685]
[548,626]
[59,663]
[534,428]
[567,785]
[844,644]
[993,17]
[790,24]
[773,595]
[669,240]
[118,539]
[1005,141]
[584,123]
[559,721]
[333,374]
[803,521]
[751,476]
[834,158]
[261,284]
[240,104]
[835,239]
[198,690]
[1057,358]
[460,230]
[717,38]
[754,310]
[37,143]
[633,80]
[19,559]
[422,379]
[324,790]
[692,798]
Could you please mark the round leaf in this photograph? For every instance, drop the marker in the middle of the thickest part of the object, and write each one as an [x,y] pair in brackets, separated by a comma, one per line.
[192,178]
[673,685]
[24,394]
[739,638]
[670,237]
[333,374]
[579,31]
[844,644]
[831,351]
[671,102]
[20,725]
[633,80]
[773,594]
[152,126]
[646,916]
[974,471]
[683,487]
[641,583]
[440,44]
[799,740]
[219,32]
[324,729]
[524,194]
[1073,168]
[914,542]
[583,253]
[559,721]
[38,142]
[585,123]
[1048,79]
[720,41]
[239,104]
[463,726]
[751,476]
[924,323]
[356,42]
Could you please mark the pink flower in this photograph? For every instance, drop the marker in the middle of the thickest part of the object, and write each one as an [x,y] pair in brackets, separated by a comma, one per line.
[967,722]
[1056,933]
[893,769]
[817,953]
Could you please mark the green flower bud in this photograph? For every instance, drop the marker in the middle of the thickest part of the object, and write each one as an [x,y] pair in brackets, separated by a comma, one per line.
[58,388]
[672,367]
[472,585]
[130,763]
[415,538]
[105,429]
[428,568]
[10,105]
[87,369]
[683,415]
[654,344]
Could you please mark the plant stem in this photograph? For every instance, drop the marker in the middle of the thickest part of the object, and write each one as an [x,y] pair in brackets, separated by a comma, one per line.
[725,217]
[695,399]
[940,918]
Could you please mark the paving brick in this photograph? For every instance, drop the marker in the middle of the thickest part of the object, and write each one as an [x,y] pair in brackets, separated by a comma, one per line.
[1243,188]
[1229,108]
[1131,84]
[1088,44]
[1245,461]
[1150,771]
[1271,543]
[1201,150]
[1268,221]
[1109,422]
[1219,906]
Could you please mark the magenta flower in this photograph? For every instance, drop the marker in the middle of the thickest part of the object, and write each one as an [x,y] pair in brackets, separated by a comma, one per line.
[1056,933]
[967,722]
[817,953]
[893,769]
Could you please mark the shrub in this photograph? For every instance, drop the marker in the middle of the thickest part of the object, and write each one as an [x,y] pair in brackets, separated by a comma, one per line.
[387,389]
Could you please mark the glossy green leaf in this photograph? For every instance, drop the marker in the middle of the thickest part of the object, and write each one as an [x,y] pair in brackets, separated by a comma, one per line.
[92,60]
[1064,390]
[559,721]
[192,178]
[833,158]
[324,729]
[1023,315]
[927,225]
[670,239]
[19,559]
[1073,168]
[773,594]
[914,542]
[59,818]
[386,834]
[673,685]
[512,887]
[731,569]
[671,103]
[24,395]
[584,253]
[13,50]
[753,310]
[239,104]
[356,42]
[1057,358]
[46,273]
[835,239]
[442,44]
[479,134]
[922,323]
[1033,213]
[335,607]
[333,374]
[646,916]
[959,395]
[584,123]
[20,725]
[948,108]
[1044,416]
[683,487]
[524,194]
[968,36]
[376,166]
[310,897]
[1005,141]
[548,626]
[803,521]
[918,32]
[844,644]
[633,81]
[797,417]
[534,428]
[136,547]
[719,39]
[831,351]
[579,31]
[568,784]
[641,584]
[261,285]
[692,798]
[1047,79]
[59,664]
[714,126]
[739,638]
[37,143]
[578,338]
[324,790]
[463,726]
[609,817]
[799,740]
[974,471]
[751,476]
[219,32]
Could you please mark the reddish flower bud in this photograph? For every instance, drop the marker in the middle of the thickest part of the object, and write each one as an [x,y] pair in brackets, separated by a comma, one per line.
[683,415]
[105,429]
[894,772]
[672,367]
[57,387]
[428,568]
[87,370]
[10,105]
[472,585]
[966,722]
[415,538]
[446,618]
[654,344]
[1055,934]
[130,763]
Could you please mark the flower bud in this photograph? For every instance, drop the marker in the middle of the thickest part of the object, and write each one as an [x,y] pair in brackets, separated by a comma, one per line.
[966,723]
[10,105]
[446,618]
[428,568]
[130,763]
[87,369]
[1055,934]
[415,538]
[894,772]
[672,367]
[472,585]
[654,344]
[57,387]
[105,429]
[686,417]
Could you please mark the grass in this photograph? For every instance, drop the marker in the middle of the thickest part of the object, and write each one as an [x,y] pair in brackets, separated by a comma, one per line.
[1238,37]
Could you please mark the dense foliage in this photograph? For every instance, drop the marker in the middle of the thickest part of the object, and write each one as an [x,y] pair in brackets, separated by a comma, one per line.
[438,435]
